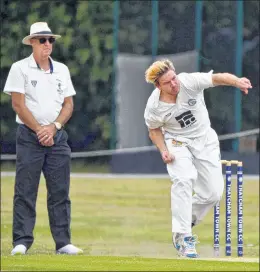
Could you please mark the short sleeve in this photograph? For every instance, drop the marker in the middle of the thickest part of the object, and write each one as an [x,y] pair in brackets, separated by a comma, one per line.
[15,81]
[151,120]
[70,88]
[197,82]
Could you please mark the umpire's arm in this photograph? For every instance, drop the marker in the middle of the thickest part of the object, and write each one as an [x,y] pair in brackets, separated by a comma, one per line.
[19,106]
[66,111]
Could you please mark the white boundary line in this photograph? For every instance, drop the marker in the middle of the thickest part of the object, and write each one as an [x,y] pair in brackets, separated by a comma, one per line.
[130,176]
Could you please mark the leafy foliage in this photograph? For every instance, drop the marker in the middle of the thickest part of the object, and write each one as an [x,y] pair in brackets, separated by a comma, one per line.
[219,45]
[86,48]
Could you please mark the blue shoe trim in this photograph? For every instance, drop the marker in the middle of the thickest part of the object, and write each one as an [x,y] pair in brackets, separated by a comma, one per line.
[192,255]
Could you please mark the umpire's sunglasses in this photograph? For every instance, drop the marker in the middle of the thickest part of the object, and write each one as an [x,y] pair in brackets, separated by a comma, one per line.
[43,40]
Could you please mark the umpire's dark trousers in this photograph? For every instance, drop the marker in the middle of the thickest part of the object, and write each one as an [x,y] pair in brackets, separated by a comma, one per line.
[54,162]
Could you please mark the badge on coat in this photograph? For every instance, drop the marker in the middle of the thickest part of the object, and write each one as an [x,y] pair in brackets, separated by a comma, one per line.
[192,102]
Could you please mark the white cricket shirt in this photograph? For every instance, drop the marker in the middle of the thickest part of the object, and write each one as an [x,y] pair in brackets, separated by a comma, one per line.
[44,90]
[188,117]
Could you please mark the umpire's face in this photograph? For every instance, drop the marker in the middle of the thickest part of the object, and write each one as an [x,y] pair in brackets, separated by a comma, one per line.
[42,45]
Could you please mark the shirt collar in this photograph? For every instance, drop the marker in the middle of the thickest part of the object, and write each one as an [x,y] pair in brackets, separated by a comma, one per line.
[34,64]
[156,97]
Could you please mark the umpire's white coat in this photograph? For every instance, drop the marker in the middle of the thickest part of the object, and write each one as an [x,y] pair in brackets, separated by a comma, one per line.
[189,137]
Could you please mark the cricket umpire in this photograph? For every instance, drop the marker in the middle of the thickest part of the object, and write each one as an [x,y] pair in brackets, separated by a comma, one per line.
[42,97]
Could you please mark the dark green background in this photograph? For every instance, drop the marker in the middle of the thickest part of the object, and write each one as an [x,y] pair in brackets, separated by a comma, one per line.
[87,44]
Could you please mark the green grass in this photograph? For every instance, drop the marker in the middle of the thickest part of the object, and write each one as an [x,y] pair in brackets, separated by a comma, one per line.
[125,224]
[112,263]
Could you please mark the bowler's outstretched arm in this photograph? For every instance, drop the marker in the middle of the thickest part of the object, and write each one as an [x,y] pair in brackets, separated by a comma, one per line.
[231,80]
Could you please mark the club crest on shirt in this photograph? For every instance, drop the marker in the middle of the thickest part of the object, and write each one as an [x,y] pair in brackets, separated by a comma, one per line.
[34,82]
[192,102]
[59,90]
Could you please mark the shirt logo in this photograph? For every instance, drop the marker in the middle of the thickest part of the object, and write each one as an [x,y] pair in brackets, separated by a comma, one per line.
[192,102]
[60,91]
[168,114]
[177,143]
[186,119]
[34,82]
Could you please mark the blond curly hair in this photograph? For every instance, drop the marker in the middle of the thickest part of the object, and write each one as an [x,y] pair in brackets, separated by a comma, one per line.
[157,69]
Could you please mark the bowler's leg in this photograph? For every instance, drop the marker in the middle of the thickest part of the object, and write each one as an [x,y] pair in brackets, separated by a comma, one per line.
[183,174]
[210,183]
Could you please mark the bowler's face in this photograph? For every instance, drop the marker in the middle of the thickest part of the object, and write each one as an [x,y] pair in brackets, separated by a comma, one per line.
[42,49]
[169,83]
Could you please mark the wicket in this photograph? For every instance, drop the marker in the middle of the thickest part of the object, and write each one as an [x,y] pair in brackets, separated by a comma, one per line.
[228,173]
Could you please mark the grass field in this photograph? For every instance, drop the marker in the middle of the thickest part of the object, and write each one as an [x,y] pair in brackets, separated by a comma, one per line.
[125,225]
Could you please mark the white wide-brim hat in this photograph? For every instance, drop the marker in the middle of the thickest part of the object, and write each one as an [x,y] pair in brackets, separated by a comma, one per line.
[39,29]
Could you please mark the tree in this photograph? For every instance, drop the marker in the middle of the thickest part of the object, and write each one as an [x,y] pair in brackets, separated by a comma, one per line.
[85,47]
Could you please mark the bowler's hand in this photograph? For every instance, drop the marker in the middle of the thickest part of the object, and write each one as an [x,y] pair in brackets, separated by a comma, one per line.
[45,135]
[243,84]
[167,157]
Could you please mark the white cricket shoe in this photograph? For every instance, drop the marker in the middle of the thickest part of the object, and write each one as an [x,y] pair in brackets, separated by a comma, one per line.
[70,250]
[19,250]
[177,239]
[187,248]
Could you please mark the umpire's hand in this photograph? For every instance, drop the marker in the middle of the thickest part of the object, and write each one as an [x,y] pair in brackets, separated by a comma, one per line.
[45,135]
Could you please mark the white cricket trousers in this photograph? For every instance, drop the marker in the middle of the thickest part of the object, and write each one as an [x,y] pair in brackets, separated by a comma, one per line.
[196,174]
